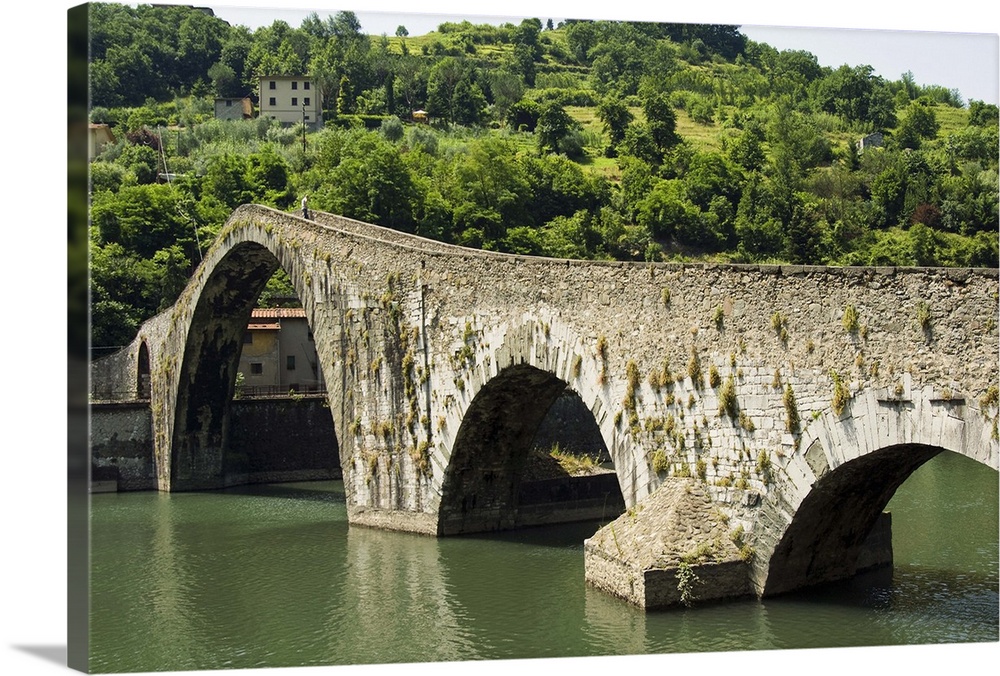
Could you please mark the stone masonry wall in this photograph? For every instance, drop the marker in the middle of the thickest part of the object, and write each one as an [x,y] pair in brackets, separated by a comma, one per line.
[276,440]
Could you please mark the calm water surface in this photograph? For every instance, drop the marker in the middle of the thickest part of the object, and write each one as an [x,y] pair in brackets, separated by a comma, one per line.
[273,576]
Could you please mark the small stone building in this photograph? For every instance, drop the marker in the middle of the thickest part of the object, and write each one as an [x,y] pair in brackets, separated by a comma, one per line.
[234,109]
[279,354]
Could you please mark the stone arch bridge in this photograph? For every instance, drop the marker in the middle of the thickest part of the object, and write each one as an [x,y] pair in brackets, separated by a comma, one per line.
[759,417]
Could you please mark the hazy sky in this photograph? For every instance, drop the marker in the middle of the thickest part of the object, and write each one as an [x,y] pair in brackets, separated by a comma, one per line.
[958,51]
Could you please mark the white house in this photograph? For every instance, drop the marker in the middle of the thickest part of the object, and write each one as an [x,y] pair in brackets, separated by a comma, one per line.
[291,99]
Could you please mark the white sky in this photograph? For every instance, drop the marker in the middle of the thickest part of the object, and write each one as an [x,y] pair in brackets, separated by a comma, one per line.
[954,44]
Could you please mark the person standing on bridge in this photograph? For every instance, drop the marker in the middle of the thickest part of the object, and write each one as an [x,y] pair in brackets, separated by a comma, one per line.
[305,206]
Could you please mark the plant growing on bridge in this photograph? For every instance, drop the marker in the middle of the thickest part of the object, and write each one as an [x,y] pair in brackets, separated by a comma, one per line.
[694,368]
[602,354]
[841,394]
[665,296]
[727,399]
[717,316]
[686,580]
[746,551]
[659,461]
[421,458]
[779,323]
[850,319]
[713,377]
[924,315]
[763,466]
[701,469]
[990,398]
[791,410]
[632,378]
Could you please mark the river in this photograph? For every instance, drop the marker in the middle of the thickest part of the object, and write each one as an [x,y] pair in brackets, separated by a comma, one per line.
[273,576]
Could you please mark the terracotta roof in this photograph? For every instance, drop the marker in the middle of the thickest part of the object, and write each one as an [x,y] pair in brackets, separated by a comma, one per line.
[278,313]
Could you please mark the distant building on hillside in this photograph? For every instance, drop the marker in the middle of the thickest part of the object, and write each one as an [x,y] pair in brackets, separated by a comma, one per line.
[290,99]
[279,354]
[99,135]
[874,140]
[233,108]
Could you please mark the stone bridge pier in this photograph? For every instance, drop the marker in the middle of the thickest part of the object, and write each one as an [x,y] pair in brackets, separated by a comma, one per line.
[758,417]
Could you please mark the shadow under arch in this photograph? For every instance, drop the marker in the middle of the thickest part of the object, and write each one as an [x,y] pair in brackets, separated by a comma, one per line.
[828,533]
[481,486]
[200,456]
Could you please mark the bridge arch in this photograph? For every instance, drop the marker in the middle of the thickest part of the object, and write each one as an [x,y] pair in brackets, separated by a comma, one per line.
[510,391]
[204,337]
[479,489]
[813,526]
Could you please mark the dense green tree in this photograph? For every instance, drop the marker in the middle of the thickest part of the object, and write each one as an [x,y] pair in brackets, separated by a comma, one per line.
[661,120]
[442,80]
[507,88]
[468,104]
[554,125]
[858,96]
[524,115]
[363,176]
[983,114]
[616,117]
[489,188]
[918,123]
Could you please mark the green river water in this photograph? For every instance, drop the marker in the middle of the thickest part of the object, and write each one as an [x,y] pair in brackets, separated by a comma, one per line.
[274,576]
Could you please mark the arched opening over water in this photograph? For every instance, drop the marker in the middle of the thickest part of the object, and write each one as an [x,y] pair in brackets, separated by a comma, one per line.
[828,537]
[502,474]
[217,442]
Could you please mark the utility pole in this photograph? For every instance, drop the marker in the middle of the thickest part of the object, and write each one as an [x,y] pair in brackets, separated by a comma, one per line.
[303,130]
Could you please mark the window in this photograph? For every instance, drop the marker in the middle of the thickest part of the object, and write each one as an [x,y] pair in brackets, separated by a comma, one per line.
[295,101]
[248,338]
[272,85]
[290,362]
[306,118]
[272,101]
[256,368]
[305,101]
[305,85]
[295,85]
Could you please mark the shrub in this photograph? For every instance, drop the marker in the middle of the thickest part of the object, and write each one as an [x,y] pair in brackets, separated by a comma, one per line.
[791,410]
[840,393]
[727,400]
[392,129]
[850,319]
